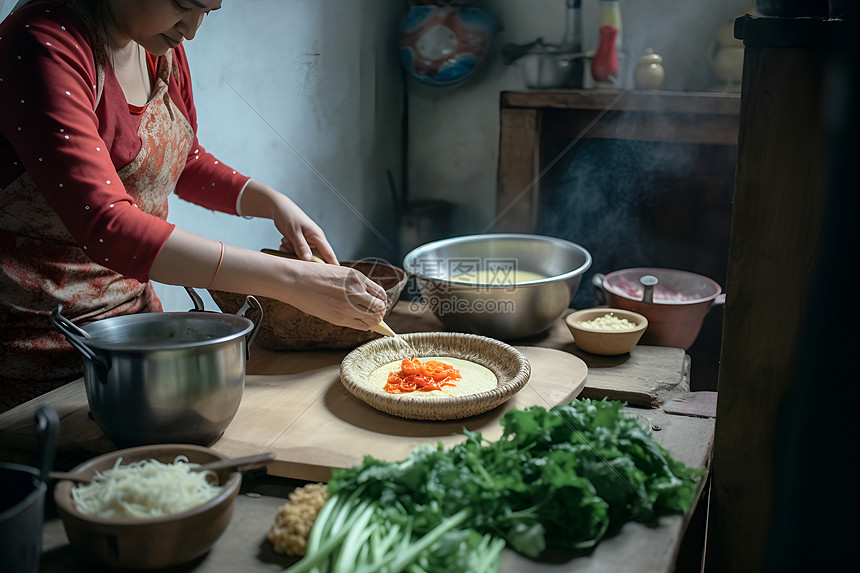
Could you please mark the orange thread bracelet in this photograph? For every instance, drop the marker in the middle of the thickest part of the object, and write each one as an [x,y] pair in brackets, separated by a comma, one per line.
[218,268]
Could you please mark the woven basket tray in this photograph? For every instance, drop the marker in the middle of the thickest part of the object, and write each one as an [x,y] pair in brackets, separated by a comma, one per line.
[285,327]
[511,368]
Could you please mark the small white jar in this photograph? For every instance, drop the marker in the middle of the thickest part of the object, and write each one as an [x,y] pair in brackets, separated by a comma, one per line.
[648,73]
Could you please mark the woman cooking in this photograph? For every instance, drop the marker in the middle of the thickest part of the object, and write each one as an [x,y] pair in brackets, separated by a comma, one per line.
[97,128]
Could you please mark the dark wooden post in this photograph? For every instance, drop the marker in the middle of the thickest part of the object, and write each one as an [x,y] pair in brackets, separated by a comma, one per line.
[773,480]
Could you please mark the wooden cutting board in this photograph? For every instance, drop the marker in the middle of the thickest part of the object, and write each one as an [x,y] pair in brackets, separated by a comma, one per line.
[313,424]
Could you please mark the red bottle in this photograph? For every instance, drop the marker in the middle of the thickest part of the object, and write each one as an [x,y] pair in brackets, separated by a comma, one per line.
[604,66]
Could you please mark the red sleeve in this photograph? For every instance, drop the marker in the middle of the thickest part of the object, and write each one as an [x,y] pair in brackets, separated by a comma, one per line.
[47,96]
[205,181]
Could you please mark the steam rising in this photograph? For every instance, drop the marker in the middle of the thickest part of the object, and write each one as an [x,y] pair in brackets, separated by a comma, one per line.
[634,204]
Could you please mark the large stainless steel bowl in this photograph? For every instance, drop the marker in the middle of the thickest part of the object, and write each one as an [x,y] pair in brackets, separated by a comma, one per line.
[503,305]
[164,377]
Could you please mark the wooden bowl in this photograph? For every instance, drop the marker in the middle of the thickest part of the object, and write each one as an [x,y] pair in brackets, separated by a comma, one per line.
[285,327]
[150,543]
[602,341]
[511,368]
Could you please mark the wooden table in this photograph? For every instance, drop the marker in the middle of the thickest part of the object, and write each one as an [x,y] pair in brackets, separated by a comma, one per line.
[655,378]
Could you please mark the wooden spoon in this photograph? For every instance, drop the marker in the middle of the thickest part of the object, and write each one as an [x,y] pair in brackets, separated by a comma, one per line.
[228,463]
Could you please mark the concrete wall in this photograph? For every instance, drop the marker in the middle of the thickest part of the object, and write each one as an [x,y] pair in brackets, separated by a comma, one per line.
[305,96]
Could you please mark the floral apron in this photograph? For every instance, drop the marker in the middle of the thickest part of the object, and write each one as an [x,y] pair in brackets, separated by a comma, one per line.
[41,266]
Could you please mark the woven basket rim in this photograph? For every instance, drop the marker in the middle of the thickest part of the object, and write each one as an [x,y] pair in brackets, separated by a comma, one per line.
[511,367]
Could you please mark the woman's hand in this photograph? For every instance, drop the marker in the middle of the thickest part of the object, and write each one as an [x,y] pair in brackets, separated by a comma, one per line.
[340,295]
[299,233]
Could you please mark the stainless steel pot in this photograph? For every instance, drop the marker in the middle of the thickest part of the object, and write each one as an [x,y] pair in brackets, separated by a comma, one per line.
[547,70]
[165,377]
[546,66]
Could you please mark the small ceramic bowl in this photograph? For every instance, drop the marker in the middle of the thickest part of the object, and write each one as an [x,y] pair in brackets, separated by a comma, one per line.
[154,542]
[608,342]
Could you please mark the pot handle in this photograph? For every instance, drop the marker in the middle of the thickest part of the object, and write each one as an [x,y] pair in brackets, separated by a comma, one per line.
[251,307]
[195,298]
[73,333]
[47,428]
[597,285]
[720,300]
[77,337]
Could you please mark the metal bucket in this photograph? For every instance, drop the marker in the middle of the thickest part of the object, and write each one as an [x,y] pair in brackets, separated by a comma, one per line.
[22,501]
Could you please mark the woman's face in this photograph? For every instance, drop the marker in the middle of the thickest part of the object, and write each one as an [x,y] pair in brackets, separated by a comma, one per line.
[159,25]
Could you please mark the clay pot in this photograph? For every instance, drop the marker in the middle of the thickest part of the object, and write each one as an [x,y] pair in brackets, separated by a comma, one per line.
[675,306]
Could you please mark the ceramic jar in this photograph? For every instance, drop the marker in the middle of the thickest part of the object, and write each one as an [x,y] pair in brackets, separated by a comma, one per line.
[648,73]
[725,55]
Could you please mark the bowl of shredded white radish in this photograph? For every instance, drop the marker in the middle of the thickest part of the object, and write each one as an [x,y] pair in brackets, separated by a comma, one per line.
[138,501]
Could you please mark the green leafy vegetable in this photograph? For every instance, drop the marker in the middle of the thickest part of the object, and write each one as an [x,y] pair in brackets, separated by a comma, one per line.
[556,479]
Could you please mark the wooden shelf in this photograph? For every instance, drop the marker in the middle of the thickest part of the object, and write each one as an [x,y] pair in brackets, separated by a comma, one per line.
[533,122]
[699,103]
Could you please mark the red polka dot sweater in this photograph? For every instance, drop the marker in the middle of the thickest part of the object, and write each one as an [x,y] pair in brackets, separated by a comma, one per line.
[51,127]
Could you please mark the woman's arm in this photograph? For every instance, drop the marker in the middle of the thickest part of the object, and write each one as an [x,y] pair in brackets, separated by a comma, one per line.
[336,294]
[299,233]
[47,100]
